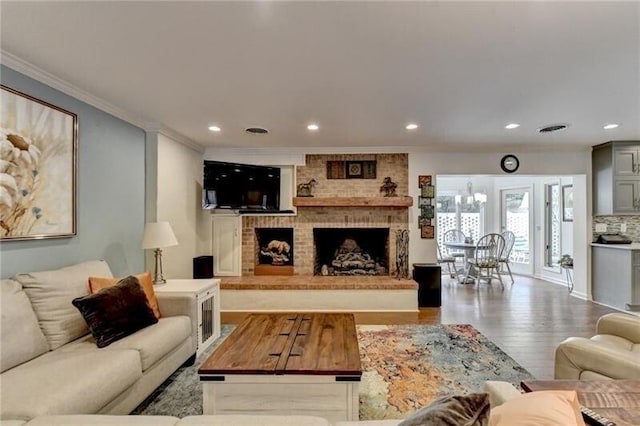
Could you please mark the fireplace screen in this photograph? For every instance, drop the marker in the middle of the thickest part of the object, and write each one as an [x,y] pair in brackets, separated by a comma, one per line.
[351,251]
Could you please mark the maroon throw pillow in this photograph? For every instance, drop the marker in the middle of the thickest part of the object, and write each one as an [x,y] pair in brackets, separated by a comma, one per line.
[116,312]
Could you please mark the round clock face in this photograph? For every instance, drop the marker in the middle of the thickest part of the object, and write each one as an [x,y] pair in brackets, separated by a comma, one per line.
[509,163]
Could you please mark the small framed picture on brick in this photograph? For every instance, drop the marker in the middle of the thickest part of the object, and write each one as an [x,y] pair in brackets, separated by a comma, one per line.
[354,169]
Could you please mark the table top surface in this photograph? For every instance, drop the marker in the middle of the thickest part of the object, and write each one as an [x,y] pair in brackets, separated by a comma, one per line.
[459,244]
[312,344]
[186,285]
[618,400]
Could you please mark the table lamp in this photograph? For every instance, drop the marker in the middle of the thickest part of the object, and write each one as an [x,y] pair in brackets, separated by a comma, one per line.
[156,236]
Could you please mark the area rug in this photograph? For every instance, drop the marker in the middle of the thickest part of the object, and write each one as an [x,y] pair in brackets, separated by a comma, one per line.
[404,367]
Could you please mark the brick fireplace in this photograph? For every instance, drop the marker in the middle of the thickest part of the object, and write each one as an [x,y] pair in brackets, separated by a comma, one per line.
[389,218]
[351,251]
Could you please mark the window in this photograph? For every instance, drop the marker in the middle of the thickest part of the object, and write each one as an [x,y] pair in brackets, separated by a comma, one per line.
[553,225]
[465,216]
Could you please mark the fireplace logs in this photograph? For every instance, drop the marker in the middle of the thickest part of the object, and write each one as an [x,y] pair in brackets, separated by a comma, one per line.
[350,259]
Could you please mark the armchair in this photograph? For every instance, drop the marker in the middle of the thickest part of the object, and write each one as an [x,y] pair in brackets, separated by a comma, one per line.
[613,353]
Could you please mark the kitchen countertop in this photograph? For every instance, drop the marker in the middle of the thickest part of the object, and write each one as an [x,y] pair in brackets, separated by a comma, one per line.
[632,246]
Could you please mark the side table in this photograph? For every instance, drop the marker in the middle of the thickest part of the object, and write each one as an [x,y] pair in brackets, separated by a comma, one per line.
[568,271]
[207,293]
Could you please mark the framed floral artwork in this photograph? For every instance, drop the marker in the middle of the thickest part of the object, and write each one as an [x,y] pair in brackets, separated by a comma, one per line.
[38,167]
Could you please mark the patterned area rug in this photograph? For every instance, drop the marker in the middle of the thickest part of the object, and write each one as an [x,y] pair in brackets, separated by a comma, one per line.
[404,368]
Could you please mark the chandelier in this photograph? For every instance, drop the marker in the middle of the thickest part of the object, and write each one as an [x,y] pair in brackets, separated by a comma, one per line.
[471,197]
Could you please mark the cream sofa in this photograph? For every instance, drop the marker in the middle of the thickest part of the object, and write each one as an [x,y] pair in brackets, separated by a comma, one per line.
[50,363]
[613,353]
[499,392]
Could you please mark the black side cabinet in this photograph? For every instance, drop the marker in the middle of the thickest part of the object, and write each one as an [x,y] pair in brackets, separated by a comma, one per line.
[428,276]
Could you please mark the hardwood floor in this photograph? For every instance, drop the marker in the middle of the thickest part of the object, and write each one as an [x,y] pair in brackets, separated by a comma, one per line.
[526,320]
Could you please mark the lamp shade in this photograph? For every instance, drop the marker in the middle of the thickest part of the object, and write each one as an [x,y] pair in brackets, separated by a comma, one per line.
[157,235]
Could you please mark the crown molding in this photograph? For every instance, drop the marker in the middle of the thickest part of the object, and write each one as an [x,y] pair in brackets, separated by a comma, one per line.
[173,135]
[20,65]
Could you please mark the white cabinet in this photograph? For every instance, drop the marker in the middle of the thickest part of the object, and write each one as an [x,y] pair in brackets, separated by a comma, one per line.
[207,293]
[226,244]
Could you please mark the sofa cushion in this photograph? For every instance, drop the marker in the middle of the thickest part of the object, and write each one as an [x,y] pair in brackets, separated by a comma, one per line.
[51,293]
[98,283]
[90,420]
[68,382]
[452,410]
[116,312]
[152,343]
[20,338]
[543,408]
[253,420]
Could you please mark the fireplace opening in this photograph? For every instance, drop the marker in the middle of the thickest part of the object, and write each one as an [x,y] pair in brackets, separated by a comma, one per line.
[274,251]
[351,251]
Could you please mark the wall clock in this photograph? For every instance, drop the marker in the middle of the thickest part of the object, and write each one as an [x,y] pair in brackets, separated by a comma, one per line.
[509,163]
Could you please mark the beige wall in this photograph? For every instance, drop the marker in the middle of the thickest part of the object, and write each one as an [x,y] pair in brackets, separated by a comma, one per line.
[179,192]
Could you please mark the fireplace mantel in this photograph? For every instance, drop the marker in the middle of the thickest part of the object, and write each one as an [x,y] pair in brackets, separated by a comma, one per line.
[388,202]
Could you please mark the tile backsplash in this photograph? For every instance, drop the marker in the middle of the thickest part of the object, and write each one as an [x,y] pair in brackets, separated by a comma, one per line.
[613,226]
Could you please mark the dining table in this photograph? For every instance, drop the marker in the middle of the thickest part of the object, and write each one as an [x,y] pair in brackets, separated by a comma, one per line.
[469,251]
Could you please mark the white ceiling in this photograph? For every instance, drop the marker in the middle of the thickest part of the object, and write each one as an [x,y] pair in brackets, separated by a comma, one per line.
[361,70]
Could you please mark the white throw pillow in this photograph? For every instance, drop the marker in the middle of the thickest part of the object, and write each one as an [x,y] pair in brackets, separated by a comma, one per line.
[51,293]
[21,337]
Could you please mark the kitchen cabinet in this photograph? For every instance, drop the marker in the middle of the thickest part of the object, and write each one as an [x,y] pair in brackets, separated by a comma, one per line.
[626,160]
[226,245]
[626,195]
[616,275]
[616,178]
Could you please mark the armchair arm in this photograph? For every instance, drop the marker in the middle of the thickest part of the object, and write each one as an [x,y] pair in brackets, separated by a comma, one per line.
[174,304]
[578,354]
[623,325]
[499,392]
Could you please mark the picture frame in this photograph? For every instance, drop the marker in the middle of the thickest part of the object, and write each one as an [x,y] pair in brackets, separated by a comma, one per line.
[427,211]
[567,203]
[427,231]
[40,141]
[354,169]
[427,191]
[424,180]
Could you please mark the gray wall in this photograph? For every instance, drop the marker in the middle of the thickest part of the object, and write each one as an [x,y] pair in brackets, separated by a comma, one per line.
[110,193]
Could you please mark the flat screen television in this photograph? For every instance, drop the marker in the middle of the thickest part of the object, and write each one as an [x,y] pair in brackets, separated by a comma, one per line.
[240,186]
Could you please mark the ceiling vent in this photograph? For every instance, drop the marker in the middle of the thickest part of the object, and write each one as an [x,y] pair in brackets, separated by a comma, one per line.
[553,128]
[257,130]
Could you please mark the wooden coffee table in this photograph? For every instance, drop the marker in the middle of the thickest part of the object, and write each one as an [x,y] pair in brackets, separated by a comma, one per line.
[305,364]
[617,400]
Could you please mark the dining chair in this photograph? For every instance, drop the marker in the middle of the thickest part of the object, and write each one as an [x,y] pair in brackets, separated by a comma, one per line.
[455,236]
[509,241]
[486,260]
[450,261]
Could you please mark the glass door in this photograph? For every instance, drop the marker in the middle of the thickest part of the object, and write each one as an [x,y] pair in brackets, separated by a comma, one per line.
[516,216]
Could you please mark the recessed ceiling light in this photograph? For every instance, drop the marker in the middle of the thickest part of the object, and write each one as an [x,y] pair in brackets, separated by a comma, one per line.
[214,128]
[610,126]
[511,126]
[313,127]
[553,128]
[411,126]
